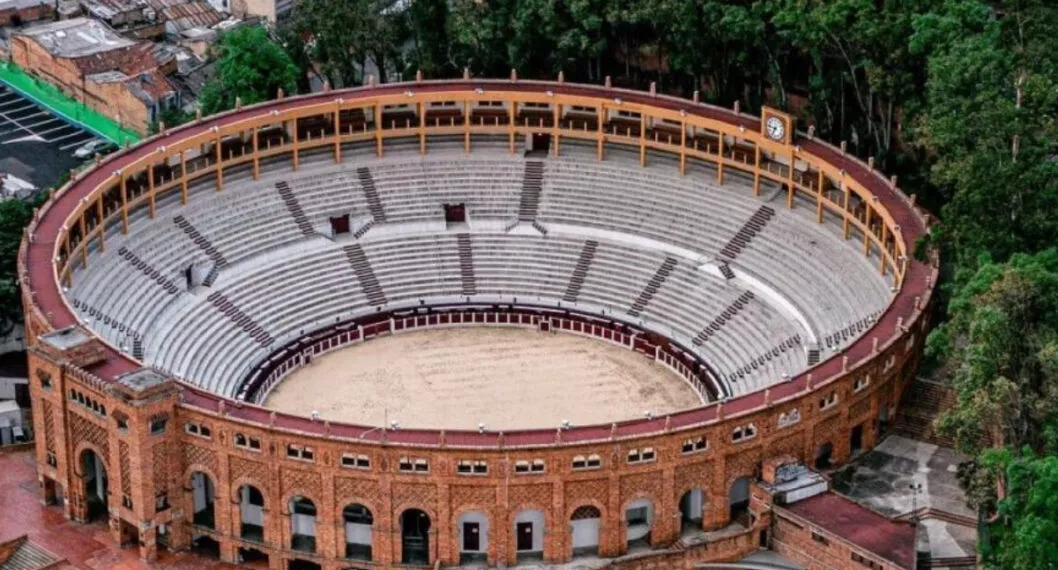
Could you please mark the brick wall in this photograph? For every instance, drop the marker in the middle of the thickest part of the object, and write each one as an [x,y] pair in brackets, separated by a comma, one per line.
[819,549]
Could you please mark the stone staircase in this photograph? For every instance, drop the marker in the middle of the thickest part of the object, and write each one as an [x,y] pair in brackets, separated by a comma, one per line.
[148,270]
[725,270]
[576,281]
[813,356]
[726,315]
[374,203]
[365,274]
[295,208]
[745,234]
[466,265]
[359,233]
[241,319]
[201,241]
[532,184]
[922,401]
[652,287]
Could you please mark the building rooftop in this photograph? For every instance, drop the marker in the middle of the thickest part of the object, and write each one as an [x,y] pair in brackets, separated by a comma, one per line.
[142,380]
[65,338]
[21,4]
[892,540]
[78,37]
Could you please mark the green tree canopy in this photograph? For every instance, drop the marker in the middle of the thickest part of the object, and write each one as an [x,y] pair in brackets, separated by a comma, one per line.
[250,66]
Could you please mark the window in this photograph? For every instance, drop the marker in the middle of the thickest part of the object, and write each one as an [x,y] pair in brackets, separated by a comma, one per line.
[50,458]
[201,430]
[45,379]
[247,442]
[411,465]
[161,503]
[465,467]
[300,453]
[123,423]
[694,445]
[523,466]
[863,560]
[580,462]
[126,501]
[861,383]
[829,401]
[789,418]
[158,425]
[638,516]
[355,461]
[820,538]
[742,433]
[645,455]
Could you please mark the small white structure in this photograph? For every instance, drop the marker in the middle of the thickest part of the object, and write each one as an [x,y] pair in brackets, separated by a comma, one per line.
[10,423]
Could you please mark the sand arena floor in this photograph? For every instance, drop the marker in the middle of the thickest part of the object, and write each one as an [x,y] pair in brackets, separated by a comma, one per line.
[506,378]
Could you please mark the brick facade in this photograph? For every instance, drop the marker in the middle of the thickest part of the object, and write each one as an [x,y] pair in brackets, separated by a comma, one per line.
[149,471]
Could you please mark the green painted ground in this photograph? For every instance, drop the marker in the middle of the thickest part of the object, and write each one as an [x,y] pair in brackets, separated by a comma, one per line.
[61,104]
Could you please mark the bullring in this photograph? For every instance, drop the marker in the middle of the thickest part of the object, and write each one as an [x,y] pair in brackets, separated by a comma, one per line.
[170,288]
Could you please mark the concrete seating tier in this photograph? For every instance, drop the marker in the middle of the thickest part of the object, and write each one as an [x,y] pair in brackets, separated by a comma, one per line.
[288,281]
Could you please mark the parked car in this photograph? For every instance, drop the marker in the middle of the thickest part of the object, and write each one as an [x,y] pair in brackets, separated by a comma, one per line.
[93,147]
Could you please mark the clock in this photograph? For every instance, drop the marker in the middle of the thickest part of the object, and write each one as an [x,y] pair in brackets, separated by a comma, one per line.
[775,128]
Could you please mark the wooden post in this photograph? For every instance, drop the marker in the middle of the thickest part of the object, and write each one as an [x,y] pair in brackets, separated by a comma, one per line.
[600,134]
[183,179]
[867,229]
[84,241]
[256,154]
[642,139]
[219,165]
[378,130]
[512,116]
[124,204]
[150,189]
[556,114]
[882,267]
[100,224]
[845,205]
[819,198]
[337,132]
[466,121]
[683,148]
[791,189]
[422,127]
[756,171]
[720,159]
[297,141]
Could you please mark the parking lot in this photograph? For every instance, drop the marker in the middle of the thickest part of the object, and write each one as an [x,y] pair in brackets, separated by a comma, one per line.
[35,144]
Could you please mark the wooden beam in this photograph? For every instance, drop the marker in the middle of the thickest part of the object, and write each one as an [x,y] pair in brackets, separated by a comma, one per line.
[422,127]
[219,165]
[600,134]
[720,159]
[183,179]
[124,204]
[466,126]
[791,189]
[337,132]
[642,139]
[150,189]
[378,130]
[819,197]
[256,154]
[100,224]
[296,155]
[512,116]
[756,171]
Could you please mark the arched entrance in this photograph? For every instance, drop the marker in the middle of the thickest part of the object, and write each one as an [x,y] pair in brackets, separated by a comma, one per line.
[415,537]
[738,500]
[692,506]
[473,529]
[358,532]
[823,456]
[529,535]
[251,513]
[202,500]
[639,518]
[302,524]
[585,523]
[95,485]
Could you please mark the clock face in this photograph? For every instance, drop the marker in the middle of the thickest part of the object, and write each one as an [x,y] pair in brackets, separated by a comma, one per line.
[776,128]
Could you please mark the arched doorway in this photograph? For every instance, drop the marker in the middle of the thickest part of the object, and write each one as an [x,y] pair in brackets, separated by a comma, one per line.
[692,506]
[585,523]
[823,456]
[202,500]
[415,537]
[251,513]
[473,529]
[639,519]
[738,500]
[95,485]
[358,532]
[529,535]
[302,524]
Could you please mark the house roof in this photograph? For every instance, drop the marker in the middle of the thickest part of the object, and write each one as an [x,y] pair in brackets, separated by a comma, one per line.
[860,526]
[76,37]
[21,4]
[194,14]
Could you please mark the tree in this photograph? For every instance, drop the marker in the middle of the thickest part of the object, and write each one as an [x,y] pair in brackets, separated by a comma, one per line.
[15,215]
[250,66]
[1028,539]
[427,21]
[1001,342]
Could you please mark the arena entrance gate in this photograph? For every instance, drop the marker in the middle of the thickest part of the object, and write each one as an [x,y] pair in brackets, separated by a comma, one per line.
[414,537]
[95,485]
